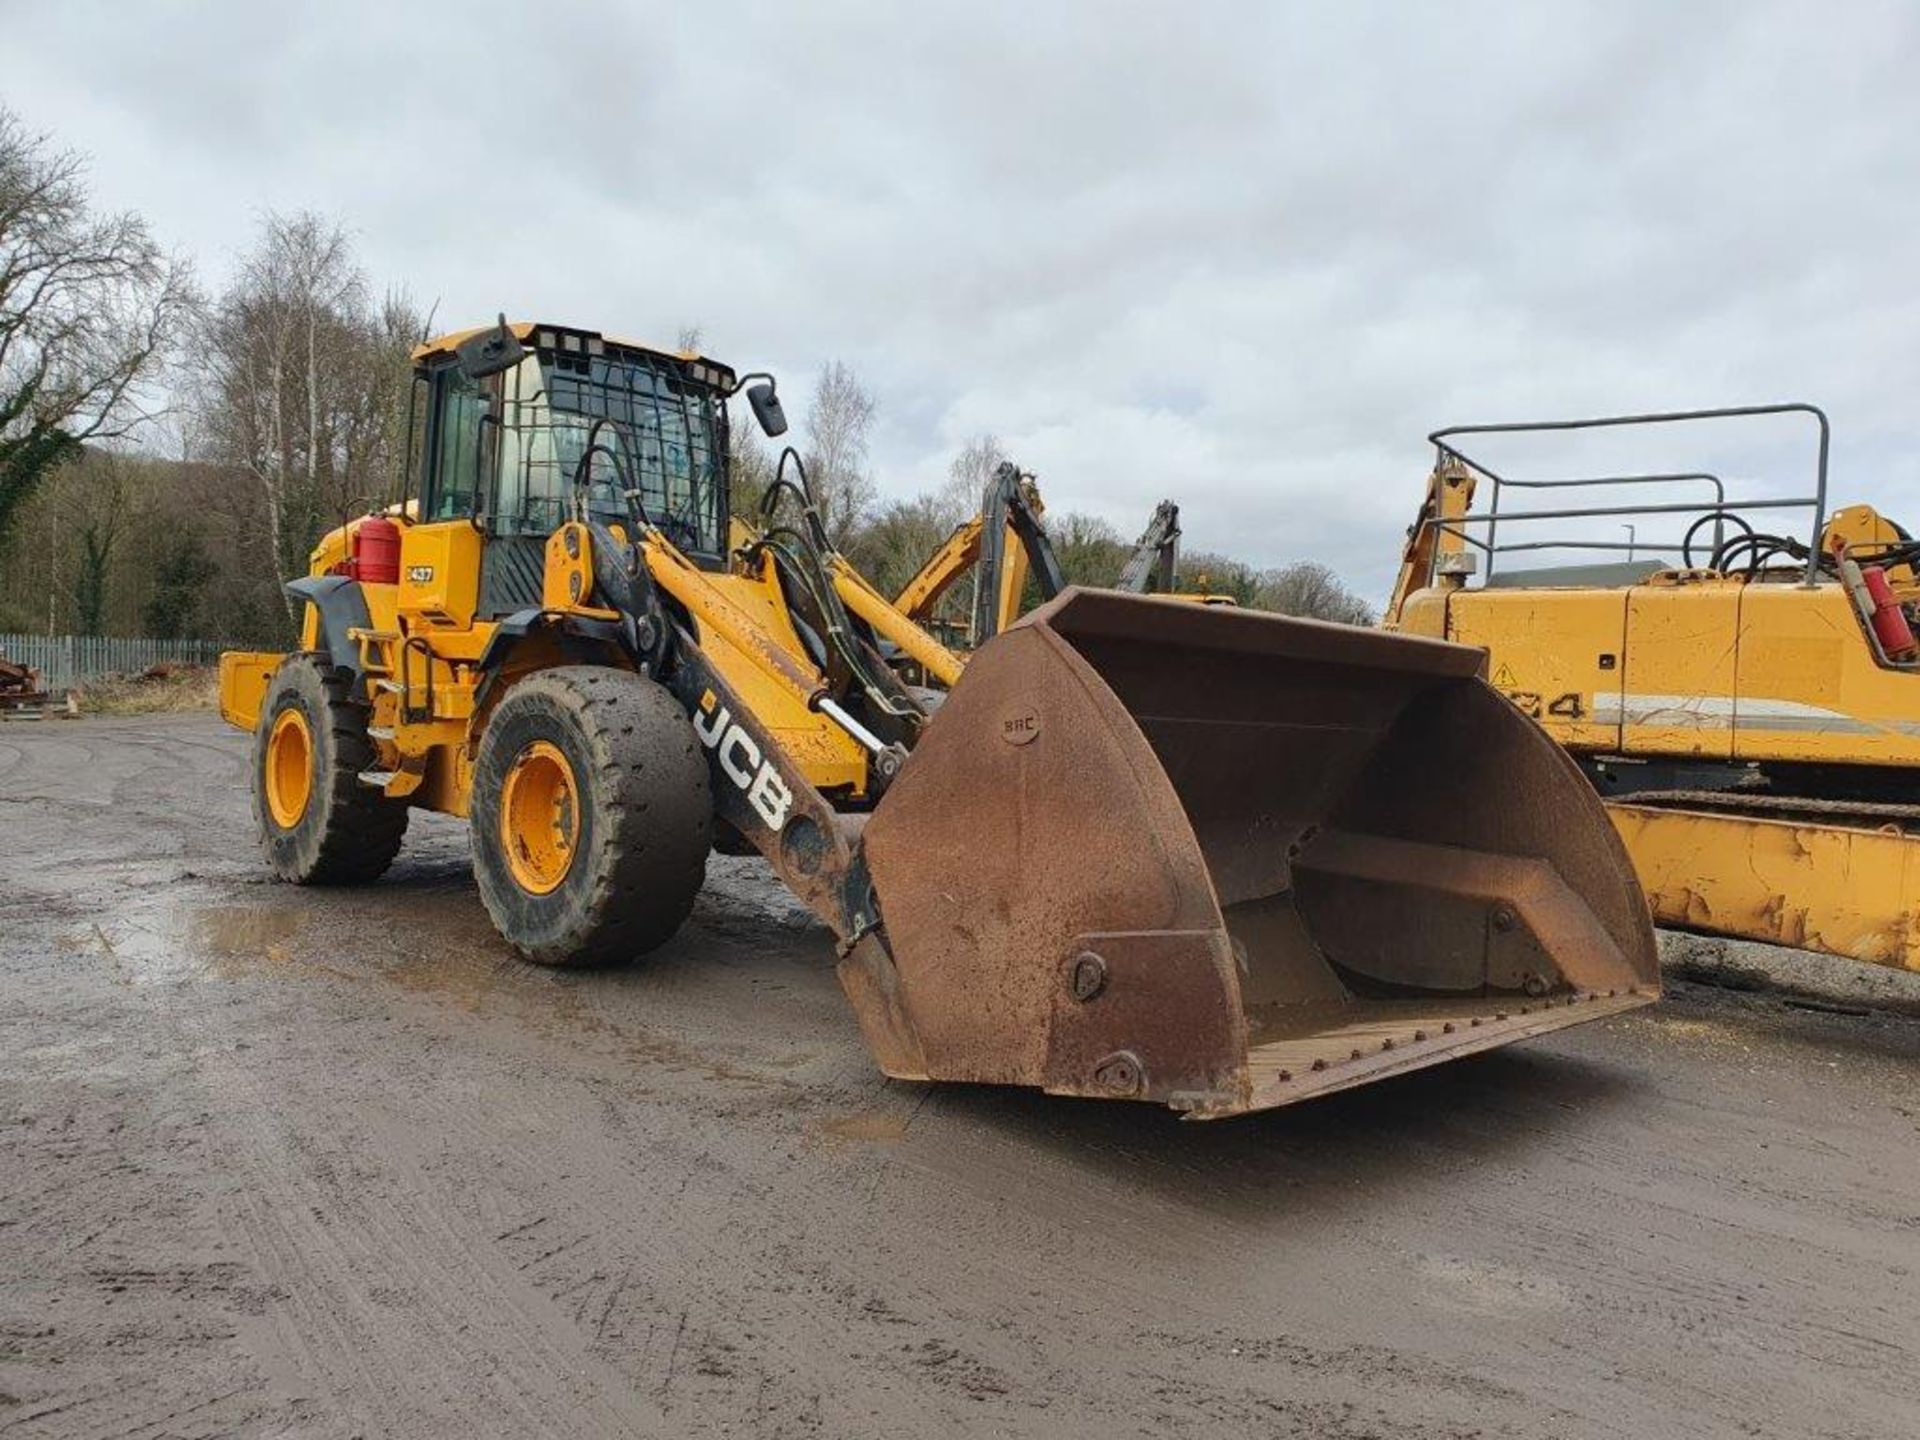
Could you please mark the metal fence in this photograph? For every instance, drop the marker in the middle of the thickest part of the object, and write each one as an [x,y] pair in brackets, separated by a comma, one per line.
[65,660]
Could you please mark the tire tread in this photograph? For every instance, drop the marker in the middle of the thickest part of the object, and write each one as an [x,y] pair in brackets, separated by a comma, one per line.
[647,782]
[361,830]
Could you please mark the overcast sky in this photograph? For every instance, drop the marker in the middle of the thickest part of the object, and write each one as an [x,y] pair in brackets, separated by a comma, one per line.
[1242,255]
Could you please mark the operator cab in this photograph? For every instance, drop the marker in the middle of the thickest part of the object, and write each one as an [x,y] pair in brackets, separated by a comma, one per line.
[507,423]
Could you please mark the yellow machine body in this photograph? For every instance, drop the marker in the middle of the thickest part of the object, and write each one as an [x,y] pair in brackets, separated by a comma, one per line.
[1843,887]
[1692,665]
[1789,742]
[740,620]
[425,639]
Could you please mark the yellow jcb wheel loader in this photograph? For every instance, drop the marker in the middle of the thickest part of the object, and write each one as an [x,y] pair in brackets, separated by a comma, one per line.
[1747,700]
[1207,858]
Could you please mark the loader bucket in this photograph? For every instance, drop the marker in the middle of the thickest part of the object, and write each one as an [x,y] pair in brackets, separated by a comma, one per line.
[1225,860]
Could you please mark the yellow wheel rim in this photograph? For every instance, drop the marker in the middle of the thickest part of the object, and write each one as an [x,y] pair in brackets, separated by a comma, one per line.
[539,818]
[289,768]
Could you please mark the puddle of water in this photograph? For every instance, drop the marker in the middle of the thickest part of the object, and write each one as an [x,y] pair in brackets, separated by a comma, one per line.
[465,975]
[1489,1288]
[244,942]
[873,1125]
[435,950]
[241,940]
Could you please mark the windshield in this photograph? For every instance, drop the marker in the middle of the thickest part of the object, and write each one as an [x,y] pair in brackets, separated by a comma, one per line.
[638,421]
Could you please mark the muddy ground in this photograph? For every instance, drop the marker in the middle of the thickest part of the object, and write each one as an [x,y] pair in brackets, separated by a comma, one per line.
[286,1162]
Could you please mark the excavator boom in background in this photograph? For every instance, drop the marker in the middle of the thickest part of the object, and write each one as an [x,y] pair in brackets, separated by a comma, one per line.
[1005,543]
[1203,857]
[1001,545]
[1747,700]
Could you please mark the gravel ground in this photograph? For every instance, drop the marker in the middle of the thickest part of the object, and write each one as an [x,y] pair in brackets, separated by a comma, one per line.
[286,1162]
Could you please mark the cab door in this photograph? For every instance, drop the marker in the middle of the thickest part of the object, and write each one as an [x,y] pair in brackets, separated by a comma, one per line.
[440,553]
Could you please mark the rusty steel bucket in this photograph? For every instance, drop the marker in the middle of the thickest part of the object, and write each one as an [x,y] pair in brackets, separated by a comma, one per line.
[1225,860]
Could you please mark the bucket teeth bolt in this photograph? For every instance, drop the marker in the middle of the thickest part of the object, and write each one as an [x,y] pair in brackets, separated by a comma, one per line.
[1089,975]
[1119,1073]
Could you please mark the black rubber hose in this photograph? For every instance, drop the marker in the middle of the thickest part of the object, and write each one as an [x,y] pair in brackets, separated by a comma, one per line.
[1711,517]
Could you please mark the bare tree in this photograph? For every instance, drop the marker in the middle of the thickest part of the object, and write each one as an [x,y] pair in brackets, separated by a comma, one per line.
[1215,574]
[96,508]
[304,381]
[89,307]
[1090,550]
[890,549]
[838,429]
[181,574]
[1309,588]
[749,470]
[967,477]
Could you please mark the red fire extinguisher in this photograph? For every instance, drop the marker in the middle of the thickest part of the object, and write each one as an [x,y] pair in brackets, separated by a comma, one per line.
[1873,596]
[1889,620]
[376,552]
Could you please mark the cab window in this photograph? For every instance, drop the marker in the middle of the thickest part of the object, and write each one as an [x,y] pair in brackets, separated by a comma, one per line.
[454,475]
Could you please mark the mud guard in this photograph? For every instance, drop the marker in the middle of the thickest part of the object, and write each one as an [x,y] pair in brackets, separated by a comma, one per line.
[342,607]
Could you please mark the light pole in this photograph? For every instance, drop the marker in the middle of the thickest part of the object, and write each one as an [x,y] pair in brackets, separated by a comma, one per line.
[1629,530]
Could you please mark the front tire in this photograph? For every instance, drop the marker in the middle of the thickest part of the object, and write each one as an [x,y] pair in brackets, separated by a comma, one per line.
[318,823]
[590,816]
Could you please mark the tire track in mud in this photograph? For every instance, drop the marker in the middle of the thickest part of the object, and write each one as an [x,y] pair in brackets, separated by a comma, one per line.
[612,1240]
[566,1252]
[393,1182]
[917,1346]
[385,1317]
[116,1296]
[1724,1182]
[273,1220]
[328,1260]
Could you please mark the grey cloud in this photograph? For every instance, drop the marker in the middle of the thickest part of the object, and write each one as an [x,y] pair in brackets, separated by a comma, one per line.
[1244,255]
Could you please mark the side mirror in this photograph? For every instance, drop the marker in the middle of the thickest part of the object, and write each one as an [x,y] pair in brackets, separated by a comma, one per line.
[766,409]
[489,352]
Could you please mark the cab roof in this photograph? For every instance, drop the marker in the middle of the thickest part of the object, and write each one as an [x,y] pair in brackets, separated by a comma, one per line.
[525,330]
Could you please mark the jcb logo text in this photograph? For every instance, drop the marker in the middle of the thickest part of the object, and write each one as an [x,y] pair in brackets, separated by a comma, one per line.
[738,754]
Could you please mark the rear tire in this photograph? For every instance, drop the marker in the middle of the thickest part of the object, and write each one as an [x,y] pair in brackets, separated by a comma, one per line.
[590,816]
[318,823]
